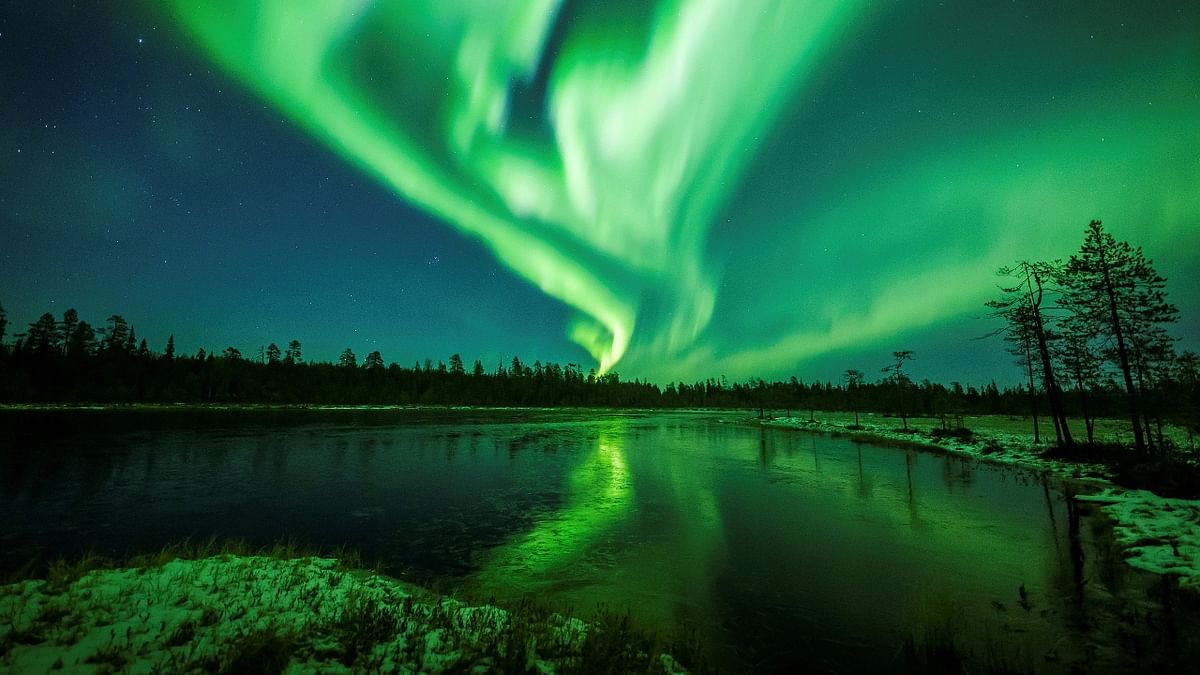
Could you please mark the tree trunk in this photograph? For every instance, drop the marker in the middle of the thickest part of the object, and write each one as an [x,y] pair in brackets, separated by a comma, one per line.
[1037,436]
[1083,404]
[1062,432]
[1123,357]
[1141,384]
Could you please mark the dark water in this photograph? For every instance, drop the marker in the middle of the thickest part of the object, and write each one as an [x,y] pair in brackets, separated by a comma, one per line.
[779,549]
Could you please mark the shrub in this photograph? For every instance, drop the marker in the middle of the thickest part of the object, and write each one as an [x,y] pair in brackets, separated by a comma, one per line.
[961,434]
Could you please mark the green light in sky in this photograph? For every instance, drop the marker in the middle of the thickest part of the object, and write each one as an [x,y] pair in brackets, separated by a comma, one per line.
[616,203]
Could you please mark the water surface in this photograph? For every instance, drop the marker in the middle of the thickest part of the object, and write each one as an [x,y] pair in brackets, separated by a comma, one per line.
[777,548]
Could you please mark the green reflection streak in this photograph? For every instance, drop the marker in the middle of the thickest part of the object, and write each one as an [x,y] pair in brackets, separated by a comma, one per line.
[599,495]
[647,139]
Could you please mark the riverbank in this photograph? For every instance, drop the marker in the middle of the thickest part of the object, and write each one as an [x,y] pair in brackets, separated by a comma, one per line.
[230,613]
[1157,534]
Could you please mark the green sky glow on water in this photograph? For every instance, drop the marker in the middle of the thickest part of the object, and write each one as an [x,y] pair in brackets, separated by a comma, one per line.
[662,187]
[598,498]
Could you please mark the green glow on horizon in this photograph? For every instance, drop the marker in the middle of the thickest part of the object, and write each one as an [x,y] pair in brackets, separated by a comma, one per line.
[647,142]
[937,222]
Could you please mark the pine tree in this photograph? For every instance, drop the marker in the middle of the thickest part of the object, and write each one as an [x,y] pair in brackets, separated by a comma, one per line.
[374,361]
[348,359]
[853,379]
[116,335]
[456,365]
[68,326]
[293,355]
[43,336]
[1112,287]
[83,341]
[169,354]
[273,354]
[900,379]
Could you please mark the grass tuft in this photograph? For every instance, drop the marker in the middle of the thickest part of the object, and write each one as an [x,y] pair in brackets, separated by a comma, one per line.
[60,574]
[265,652]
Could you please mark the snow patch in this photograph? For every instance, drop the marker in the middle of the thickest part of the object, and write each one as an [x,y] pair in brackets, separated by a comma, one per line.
[233,612]
[1158,534]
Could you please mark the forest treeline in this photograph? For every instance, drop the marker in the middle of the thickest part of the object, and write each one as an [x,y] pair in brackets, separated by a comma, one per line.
[1088,334]
[66,360]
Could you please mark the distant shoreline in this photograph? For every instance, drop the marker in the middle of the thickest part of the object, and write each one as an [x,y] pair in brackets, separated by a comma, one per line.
[1157,534]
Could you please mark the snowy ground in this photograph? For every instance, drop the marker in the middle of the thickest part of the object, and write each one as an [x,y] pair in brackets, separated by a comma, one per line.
[1158,534]
[257,614]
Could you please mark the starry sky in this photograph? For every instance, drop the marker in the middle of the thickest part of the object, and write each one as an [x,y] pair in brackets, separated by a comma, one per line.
[672,190]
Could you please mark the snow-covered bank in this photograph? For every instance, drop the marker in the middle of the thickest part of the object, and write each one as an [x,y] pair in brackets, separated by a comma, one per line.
[1157,534]
[260,614]
[1011,448]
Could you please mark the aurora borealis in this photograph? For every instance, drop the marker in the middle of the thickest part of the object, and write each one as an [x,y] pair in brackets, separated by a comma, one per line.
[682,189]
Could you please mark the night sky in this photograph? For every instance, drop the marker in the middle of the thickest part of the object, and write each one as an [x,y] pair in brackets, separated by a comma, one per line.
[671,190]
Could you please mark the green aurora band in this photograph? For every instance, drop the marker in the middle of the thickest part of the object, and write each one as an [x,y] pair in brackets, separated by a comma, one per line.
[652,126]
[647,137]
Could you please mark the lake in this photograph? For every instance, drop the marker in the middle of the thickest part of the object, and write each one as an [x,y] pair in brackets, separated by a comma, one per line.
[776,548]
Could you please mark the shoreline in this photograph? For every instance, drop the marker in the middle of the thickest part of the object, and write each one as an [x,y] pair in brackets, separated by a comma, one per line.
[1156,534]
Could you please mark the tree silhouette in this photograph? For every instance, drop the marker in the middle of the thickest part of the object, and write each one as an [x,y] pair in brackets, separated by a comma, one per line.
[116,334]
[169,354]
[3,324]
[1023,308]
[293,355]
[374,361]
[78,372]
[1112,286]
[274,356]
[43,336]
[456,364]
[901,380]
[347,359]
[82,343]
[68,326]
[853,379]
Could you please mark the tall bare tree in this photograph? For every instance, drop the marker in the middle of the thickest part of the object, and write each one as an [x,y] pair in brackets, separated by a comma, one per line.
[853,379]
[1023,307]
[900,379]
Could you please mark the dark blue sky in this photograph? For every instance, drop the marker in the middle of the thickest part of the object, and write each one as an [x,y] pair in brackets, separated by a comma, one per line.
[143,183]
